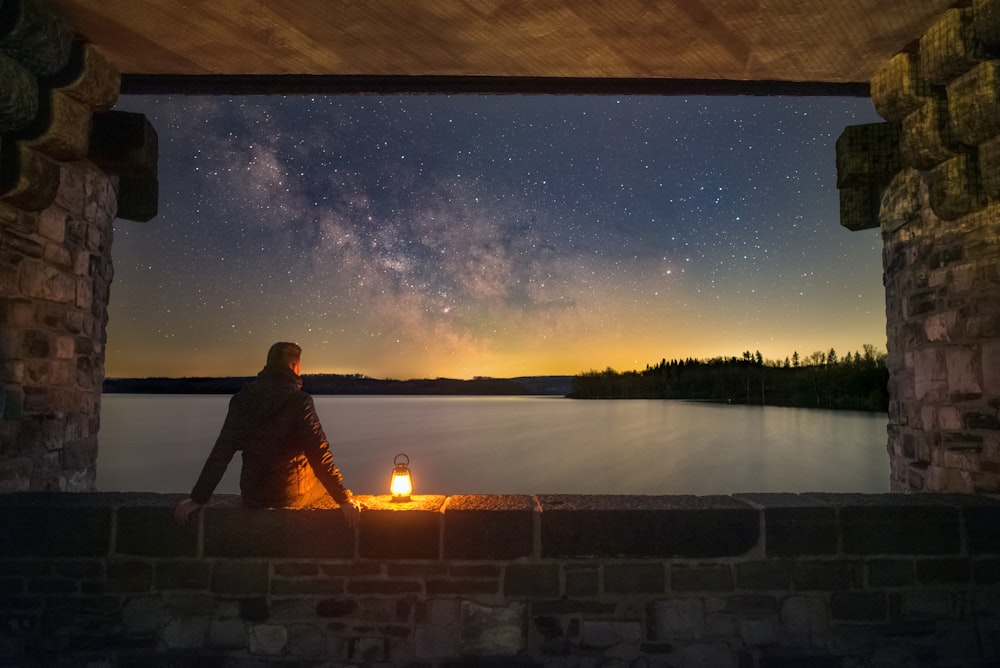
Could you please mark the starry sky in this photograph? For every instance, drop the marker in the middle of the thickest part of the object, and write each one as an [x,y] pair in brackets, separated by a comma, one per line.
[432,236]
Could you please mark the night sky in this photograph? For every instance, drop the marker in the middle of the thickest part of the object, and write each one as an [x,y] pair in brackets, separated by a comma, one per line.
[459,236]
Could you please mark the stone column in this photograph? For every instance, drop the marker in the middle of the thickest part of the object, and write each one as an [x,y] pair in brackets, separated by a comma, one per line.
[937,203]
[58,200]
[55,275]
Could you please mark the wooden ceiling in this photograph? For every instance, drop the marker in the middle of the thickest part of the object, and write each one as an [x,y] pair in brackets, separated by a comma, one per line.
[179,43]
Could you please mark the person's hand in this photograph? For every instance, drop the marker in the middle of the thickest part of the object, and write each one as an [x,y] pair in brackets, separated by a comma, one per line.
[184,510]
[351,511]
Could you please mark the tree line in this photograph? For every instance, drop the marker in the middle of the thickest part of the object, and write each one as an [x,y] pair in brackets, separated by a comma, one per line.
[856,381]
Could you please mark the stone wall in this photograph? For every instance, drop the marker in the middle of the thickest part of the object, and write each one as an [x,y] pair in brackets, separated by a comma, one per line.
[55,275]
[68,166]
[930,178]
[764,580]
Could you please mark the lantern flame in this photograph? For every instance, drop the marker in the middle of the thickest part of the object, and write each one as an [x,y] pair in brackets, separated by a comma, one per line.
[401,485]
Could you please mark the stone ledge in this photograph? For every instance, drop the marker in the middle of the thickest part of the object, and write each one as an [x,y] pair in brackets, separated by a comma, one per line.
[510,527]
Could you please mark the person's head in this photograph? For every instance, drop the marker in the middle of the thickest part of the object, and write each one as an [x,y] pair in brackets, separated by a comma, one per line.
[284,355]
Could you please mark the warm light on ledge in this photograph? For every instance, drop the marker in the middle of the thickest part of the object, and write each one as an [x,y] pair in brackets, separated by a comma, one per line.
[401,485]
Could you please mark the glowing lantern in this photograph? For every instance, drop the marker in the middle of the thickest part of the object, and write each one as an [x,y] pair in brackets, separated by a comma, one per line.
[400,485]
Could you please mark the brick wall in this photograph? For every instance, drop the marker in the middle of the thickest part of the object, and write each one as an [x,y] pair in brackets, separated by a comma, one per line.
[729,581]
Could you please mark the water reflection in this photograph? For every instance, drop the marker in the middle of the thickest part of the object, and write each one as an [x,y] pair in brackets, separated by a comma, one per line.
[521,445]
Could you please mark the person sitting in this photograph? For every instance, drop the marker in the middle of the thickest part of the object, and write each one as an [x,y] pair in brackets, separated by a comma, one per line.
[287,461]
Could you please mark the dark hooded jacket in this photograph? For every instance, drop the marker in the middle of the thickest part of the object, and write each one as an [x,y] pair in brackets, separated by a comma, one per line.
[274,423]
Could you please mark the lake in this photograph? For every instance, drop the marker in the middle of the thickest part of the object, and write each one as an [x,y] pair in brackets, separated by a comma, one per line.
[520,445]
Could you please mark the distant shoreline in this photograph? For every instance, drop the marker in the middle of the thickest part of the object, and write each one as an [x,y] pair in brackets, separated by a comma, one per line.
[332,384]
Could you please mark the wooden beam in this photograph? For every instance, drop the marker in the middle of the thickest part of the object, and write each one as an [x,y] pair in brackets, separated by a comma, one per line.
[158,84]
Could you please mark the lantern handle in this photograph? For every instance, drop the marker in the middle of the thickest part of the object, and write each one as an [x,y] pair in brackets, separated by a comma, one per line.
[395,460]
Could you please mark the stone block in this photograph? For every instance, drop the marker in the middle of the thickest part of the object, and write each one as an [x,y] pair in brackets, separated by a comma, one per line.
[19,100]
[981,522]
[185,633]
[336,607]
[61,129]
[152,532]
[868,154]
[926,138]
[88,78]
[401,531]
[634,578]
[646,526]
[704,577]
[531,581]
[582,582]
[796,524]
[763,575]
[52,224]
[246,533]
[897,87]
[172,574]
[962,368]
[68,531]
[858,606]
[823,575]
[990,364]
[677,619]
[930,379]
[36,37]
[895,524]
[758,632]
[890,572]
[943,571]
[238,577]
[974,104]
[391,587]
[918,604]
[144,614]
[859,207]
[491,631]
[751,605]
[949,47]
[986,572]
[955,188]
[129,576]
[436,642]
[304,586]
[226,634]
[306,640]
[571,607]
[488,527]
[604,635]
[29,180]
[461,587]
[124,144]
[805,616]
[268,639]
[138,198]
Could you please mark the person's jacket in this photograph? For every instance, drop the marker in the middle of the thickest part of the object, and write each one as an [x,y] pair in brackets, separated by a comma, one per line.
[274,423]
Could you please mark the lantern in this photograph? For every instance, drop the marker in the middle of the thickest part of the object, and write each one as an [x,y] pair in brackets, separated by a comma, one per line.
[400,485]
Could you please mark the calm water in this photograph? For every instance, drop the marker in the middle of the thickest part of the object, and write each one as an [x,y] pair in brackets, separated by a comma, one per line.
[521,445]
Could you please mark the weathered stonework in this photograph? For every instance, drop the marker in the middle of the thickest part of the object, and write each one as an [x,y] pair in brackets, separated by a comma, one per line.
[57,205]
[940,222]
[841,580]
[57,271]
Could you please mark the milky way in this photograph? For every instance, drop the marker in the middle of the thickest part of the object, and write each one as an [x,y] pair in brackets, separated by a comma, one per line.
[424,236]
